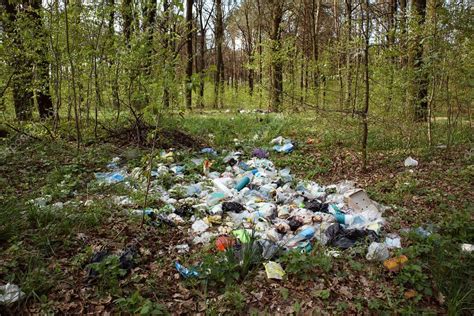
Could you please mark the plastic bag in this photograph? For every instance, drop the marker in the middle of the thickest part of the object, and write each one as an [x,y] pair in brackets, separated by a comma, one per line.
[274,270]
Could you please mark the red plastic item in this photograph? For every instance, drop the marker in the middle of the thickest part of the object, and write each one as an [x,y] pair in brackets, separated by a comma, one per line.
[224,242]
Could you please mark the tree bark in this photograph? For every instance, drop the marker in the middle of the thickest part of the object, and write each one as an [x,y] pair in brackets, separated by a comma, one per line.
[421,80]
[219,78]
[276,60]
[43,95]
[189,53]
[127,20]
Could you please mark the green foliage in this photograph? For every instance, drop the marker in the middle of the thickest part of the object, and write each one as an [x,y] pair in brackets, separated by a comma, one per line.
[232,265]
[108,274]
[307,266]
[138,305]
[233,298]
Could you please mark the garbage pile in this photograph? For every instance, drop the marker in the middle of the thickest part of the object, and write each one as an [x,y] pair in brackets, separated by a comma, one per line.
[251,197]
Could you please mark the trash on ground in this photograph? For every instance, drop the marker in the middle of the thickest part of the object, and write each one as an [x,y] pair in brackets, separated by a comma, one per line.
[282,145]
[260,153]
[393,241]
[185,272]
[249,202]
[467,247]
[183,248]
[274,270]
[224,242]
[377,252]
[395,264]
[410,294]
[410,162]
[10,293]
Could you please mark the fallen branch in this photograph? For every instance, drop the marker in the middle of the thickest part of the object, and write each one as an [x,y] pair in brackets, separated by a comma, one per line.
[21,132]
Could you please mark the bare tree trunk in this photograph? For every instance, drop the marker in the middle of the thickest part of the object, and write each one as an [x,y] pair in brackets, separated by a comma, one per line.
[201,64]
[365,130]
[189,53]
[219,78]
[43,96]
[348,95]
[421,80]
[22,69]
[276,62]
[165,28]
[73,77]
[127,20]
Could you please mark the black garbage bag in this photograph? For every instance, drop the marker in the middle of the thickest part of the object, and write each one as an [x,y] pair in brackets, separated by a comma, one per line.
[96,258]
[295,222]
[343,238]
[184,210]
[127,257]
[316,206]
[233,207]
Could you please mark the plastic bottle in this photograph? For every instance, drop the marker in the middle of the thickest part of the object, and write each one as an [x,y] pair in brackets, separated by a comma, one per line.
[218,183]
[245,180]
[303,235]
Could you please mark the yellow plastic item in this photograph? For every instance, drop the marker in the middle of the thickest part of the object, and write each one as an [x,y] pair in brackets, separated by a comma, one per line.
[213,219]
[274,270]
[395,264]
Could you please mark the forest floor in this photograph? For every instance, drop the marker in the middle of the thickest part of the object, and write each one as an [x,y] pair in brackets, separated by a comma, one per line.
[45,250]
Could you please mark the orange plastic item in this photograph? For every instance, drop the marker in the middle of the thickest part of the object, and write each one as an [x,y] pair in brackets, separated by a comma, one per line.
[395,264]
[224,242]
[410,294]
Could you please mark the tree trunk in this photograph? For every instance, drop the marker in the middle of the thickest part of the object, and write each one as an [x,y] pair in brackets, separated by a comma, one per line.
[365,128]
[276,62]
[348,95]
[43,96]
[189,52]
[127,20]
[421,80]
[202,50]
[219,78]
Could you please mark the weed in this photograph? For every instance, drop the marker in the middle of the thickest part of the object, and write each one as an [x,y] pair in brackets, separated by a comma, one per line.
[284,292]
[306,266]
[233,298]
[322,294]
[138,305]
[108,274]
[232,265]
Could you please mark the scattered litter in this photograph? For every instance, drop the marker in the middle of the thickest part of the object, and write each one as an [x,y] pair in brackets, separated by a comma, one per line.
[185,272]
[467,247]
[10,293]
[282,145]
[224,242]
[340,237]
[393,241]
[232,207]
[199,226]
[110,177]
[286,148]
[422,232]
[41,201]
[274,270]
[410,294]
[410,162]
[260,153]
[251,203]
[395,264]
[183,248]
[377,252]
[242,235]
[208,150]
